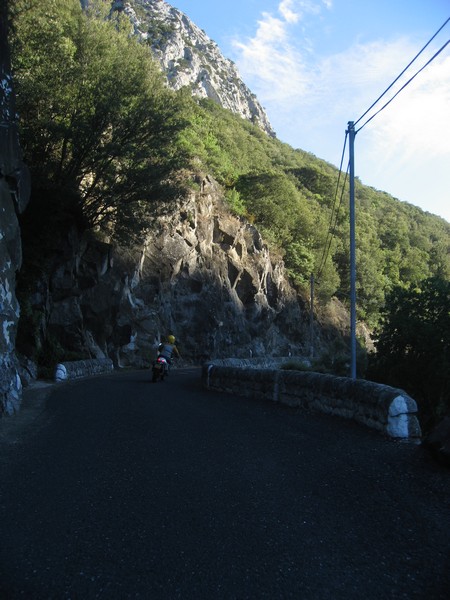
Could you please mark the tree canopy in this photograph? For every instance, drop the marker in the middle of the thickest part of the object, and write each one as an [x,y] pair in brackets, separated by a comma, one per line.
[99,126]
[96,117]
[413,345]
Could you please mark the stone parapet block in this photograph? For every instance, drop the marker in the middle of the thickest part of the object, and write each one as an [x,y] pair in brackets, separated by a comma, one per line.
[381,407]
[83,368]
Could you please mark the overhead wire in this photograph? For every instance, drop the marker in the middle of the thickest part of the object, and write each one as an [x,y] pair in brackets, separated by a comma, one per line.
[404,71]
[403,86]
[331,228]
[334,213]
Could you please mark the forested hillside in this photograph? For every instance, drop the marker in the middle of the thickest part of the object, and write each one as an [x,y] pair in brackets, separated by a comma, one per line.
[98,123]
[109,145]
[295,197]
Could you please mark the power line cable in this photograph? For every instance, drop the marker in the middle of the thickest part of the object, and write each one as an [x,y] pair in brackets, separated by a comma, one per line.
[322,260]
[404,71]
[333,232]
[330,232]
[334,214]
[405,85]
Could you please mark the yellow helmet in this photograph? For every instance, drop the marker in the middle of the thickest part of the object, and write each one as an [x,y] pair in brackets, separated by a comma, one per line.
[171,339]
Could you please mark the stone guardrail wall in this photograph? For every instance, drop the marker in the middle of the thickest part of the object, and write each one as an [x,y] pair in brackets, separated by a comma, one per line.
[270,362]
[381,407]
[82,368]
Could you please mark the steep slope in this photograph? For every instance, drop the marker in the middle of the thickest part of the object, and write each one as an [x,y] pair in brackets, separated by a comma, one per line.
[202,274]
[190,58]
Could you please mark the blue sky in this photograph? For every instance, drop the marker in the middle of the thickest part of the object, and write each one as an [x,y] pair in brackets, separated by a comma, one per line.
[317,64]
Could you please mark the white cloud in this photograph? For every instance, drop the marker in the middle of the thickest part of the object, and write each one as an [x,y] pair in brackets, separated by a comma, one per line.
[310,96]
[294,10]
[271,58]
[289,15]
[418,119]
[406,148]
[342,86]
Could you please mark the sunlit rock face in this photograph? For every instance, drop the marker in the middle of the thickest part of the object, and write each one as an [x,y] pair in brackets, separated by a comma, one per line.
[216,286]
[203,275]
[14,194]
[190,58]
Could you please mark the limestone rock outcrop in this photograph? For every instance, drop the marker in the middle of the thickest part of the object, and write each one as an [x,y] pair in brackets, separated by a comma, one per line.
[203,275]
[188,57]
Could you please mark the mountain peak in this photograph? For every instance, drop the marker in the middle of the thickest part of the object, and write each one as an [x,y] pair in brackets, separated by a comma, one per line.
[188,57]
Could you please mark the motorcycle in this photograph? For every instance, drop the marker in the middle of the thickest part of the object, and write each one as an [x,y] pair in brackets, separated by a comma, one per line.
[160,369]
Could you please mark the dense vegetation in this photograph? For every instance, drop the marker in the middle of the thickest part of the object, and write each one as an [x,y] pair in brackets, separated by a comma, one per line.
[107,142]
[96,119]
[413,345]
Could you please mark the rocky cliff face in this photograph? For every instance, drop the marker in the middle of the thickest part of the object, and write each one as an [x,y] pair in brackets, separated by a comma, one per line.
[190,58]
[203,275]
[14,192]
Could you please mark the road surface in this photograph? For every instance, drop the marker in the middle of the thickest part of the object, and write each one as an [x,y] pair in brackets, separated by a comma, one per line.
[118,488]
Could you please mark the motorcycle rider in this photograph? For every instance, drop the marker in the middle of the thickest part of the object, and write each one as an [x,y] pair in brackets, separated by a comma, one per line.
[168,349]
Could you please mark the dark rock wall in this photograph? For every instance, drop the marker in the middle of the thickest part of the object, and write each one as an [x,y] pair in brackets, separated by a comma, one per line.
[203,275]
[216,285]
[14,193]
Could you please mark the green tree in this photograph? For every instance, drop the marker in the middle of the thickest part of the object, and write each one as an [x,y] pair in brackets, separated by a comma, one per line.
[44,63]
[413,345]
[299,262]
[101,130]
[371,280]
[96,115]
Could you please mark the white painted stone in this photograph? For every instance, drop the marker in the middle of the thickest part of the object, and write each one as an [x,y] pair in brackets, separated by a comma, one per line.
[397,426]
[398,406]
[60,373]
[398,418]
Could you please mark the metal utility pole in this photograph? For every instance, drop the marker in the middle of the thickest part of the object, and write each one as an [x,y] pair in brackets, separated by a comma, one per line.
[351,133]
[311,318]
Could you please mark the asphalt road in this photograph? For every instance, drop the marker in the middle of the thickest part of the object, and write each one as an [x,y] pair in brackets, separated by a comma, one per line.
[118,488]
